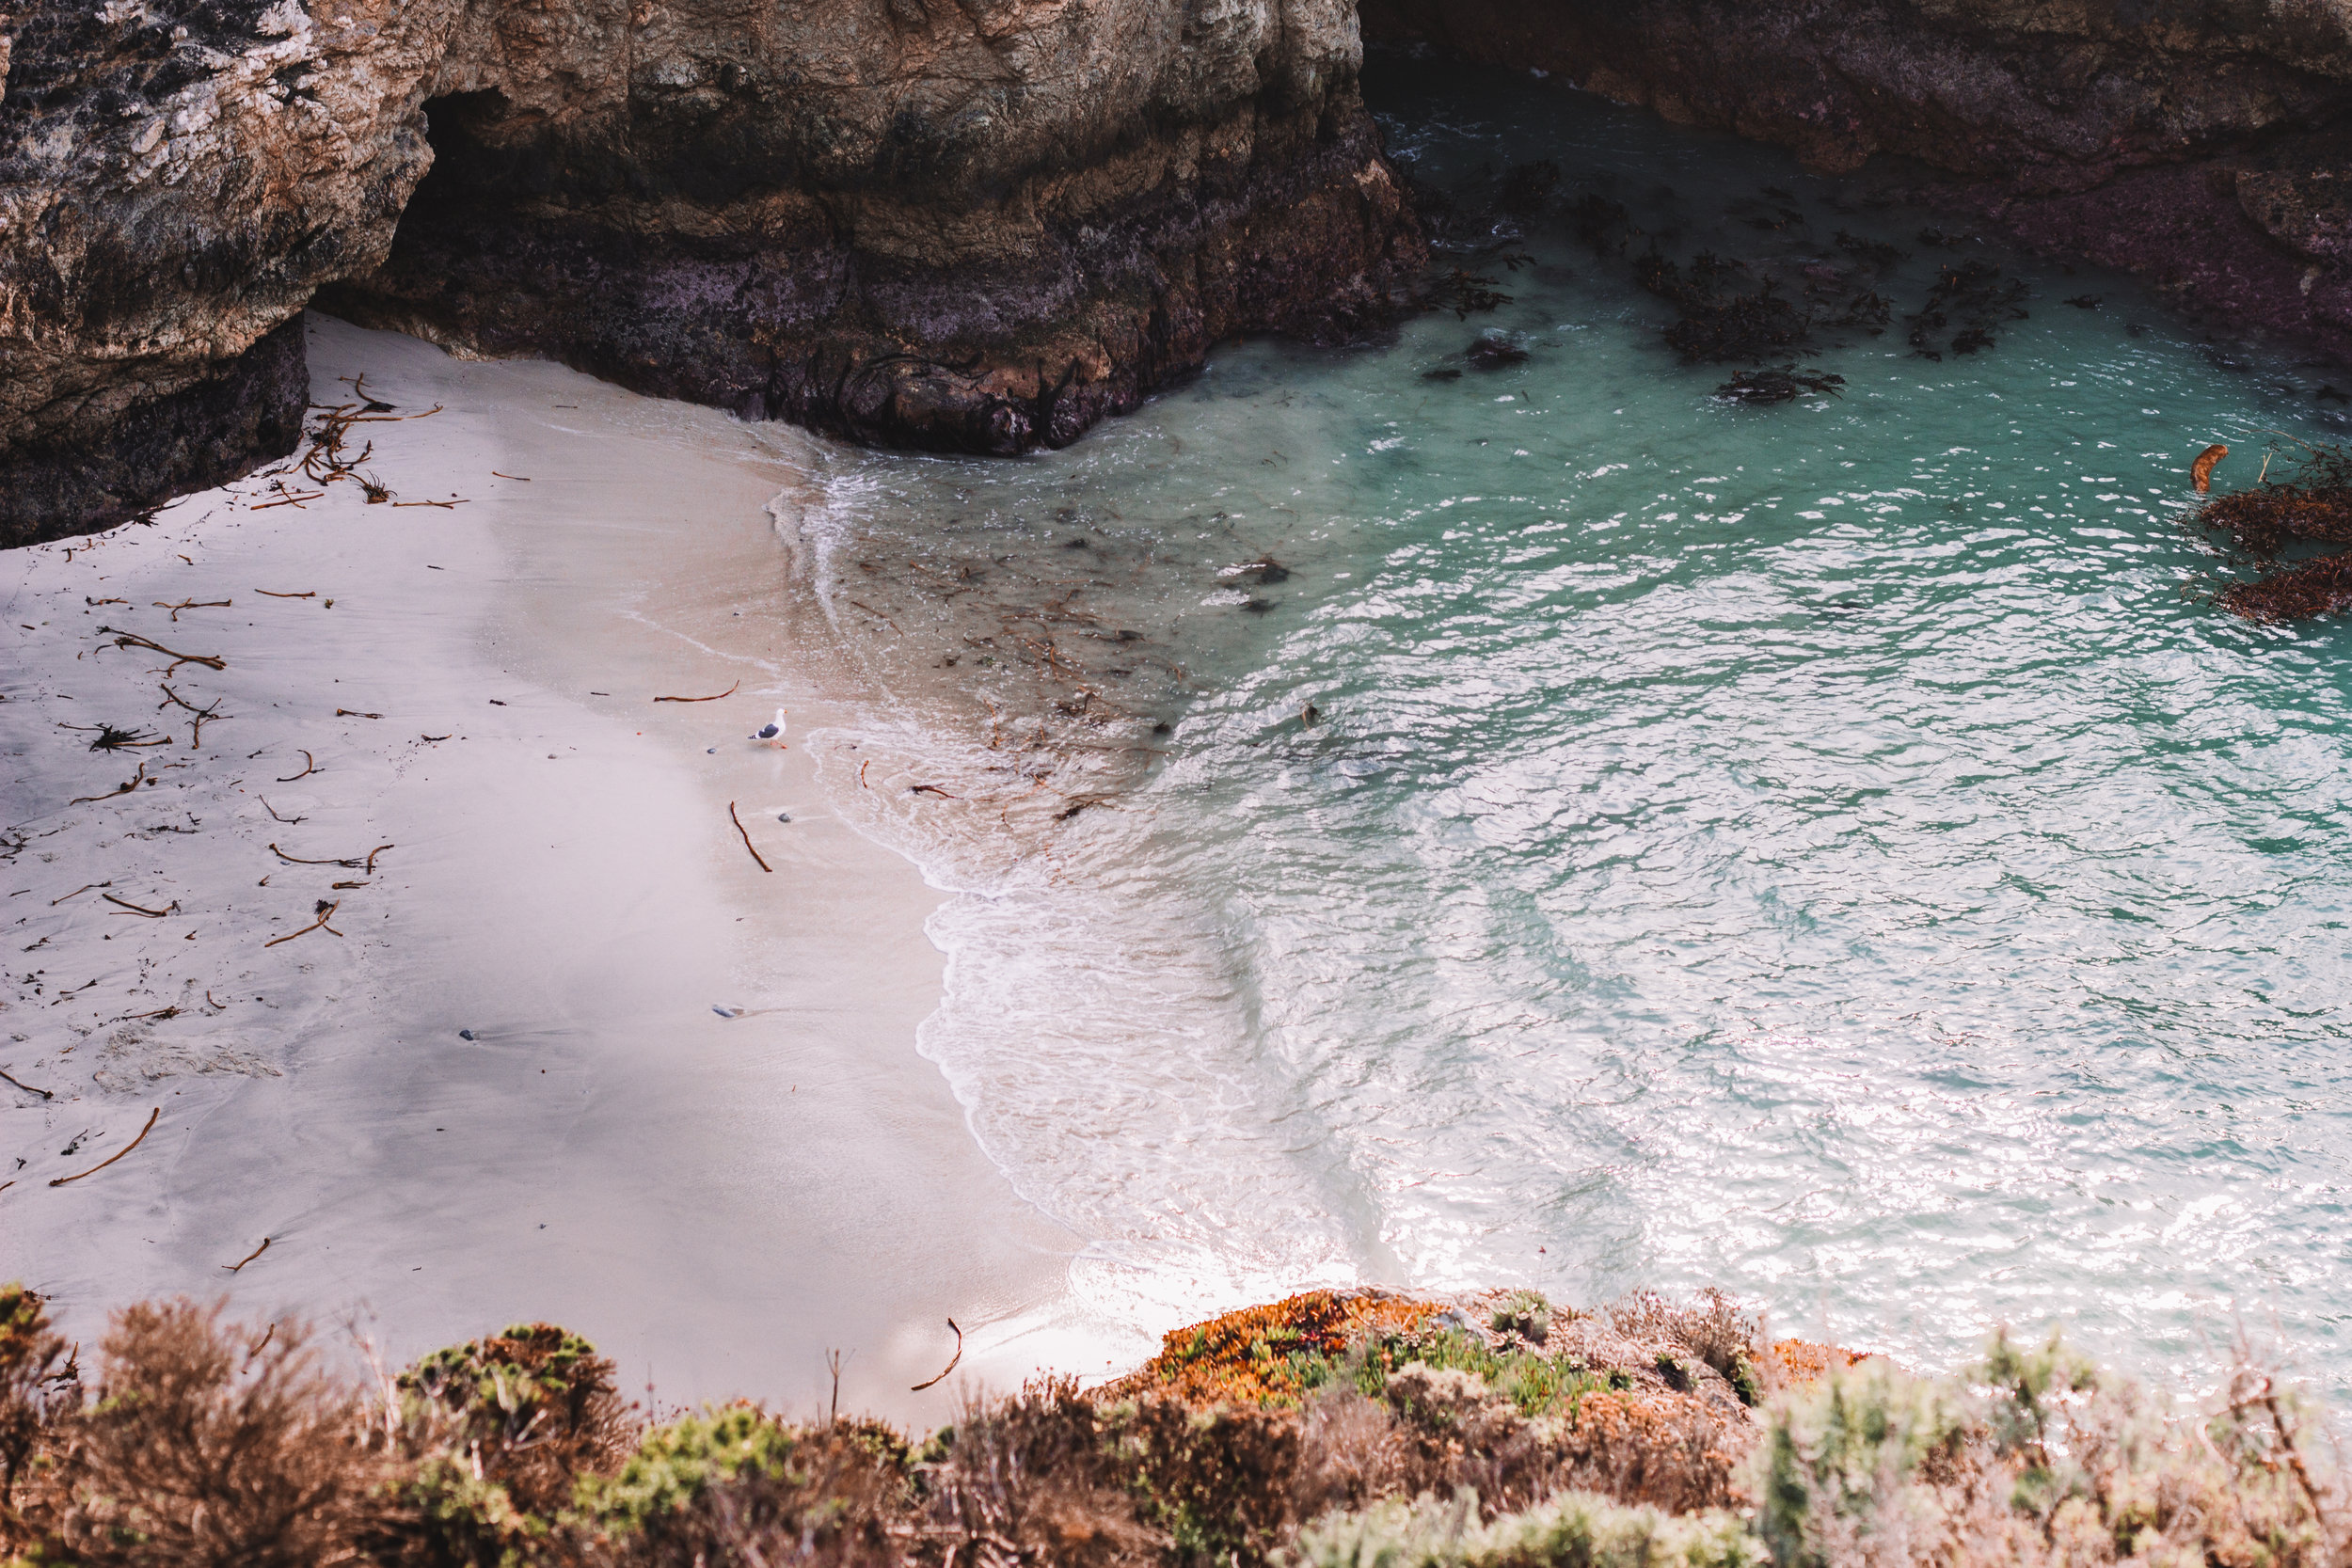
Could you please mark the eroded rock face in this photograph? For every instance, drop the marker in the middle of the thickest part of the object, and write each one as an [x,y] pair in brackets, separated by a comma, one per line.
[2189,140]
[176,177]
[976,225]
[966,224]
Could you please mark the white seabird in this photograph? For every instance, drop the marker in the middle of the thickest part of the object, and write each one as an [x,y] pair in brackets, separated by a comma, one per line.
[771,733]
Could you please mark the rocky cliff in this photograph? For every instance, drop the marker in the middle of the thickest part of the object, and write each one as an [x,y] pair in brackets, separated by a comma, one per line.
[976,225]
[982,225]
[2200,143]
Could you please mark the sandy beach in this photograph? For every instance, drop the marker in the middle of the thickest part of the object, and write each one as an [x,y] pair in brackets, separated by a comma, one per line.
[716,1200]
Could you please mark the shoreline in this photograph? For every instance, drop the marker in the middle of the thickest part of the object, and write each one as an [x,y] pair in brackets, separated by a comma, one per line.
[769,1186]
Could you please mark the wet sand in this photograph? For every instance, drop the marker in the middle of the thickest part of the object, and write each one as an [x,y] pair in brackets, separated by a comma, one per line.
[716,1202]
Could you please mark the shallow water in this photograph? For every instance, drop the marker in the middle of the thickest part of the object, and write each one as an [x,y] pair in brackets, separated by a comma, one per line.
[1815,850]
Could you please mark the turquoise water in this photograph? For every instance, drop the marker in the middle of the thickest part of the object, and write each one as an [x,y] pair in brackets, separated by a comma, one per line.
[1818,850]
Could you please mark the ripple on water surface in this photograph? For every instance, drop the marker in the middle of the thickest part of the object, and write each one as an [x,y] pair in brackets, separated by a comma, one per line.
[1815,850]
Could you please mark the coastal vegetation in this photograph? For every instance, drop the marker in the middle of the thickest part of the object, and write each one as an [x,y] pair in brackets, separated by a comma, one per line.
[1334,1430]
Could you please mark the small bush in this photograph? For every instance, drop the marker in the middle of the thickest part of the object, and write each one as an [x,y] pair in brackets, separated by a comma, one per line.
[208,1443]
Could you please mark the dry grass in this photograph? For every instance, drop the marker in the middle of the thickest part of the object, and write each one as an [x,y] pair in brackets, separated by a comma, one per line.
[199,1449]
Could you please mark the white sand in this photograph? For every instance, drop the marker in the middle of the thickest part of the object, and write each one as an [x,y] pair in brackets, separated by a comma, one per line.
[715,1202]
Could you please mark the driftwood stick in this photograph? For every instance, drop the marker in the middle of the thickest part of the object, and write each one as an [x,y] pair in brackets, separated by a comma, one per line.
[351,864]
[140,908]
[372,853]
[266,593]
[27,1087]
[311,766]
[133,640]
[728,693]
[111,1159]
[747,838]
[327,912]
[952,1362]
[248,1258]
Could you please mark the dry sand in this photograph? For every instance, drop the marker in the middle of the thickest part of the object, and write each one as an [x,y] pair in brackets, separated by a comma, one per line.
[716,1201]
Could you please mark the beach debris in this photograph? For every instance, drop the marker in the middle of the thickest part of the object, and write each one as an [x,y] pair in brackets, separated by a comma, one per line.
[351,863]
[1785,385]
[325,912]
[2200,471]
[204,715]
[931,789]
[141,909]
[248,1258]
[266,593]
[26,1088]
[133,640]
[309,767]
[522,478]
[747,838]
[465,1034]
[289,821]
[113,740]
[725,1011]
[772,732]
[124,788]
[783,816]
[952,1361]
[78,892]
[191,604]
[354,713]
[112,1158]
[714,697]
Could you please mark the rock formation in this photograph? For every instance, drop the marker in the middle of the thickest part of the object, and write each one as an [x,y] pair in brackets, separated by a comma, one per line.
[2200,143]
[973,225]
[983,225]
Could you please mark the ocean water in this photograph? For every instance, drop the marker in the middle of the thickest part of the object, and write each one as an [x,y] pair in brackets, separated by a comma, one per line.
[1824,851]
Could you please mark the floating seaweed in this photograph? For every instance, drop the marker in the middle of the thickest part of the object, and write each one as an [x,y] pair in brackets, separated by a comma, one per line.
[1971,295]
[1722,324]
[2310,504]
[1527,188]
[1602,223]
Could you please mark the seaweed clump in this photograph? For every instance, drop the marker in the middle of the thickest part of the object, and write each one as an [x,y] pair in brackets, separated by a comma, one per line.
[1723,322]
[2311,505]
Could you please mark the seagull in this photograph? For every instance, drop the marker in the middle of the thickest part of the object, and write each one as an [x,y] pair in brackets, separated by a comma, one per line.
[772,732]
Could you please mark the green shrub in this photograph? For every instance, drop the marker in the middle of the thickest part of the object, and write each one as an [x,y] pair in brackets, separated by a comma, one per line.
[673,1464]
[1837,1459]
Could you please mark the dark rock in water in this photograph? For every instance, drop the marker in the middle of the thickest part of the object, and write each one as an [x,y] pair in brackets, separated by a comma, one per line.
[2085,302]
[1447,374]
[1258,607]
[1785,384]
[1492,353]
